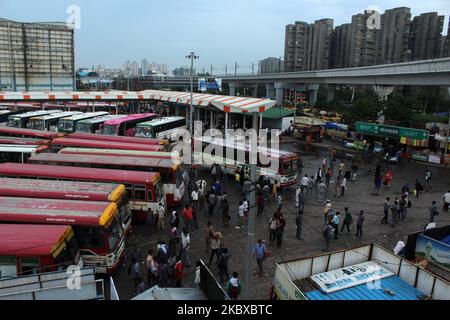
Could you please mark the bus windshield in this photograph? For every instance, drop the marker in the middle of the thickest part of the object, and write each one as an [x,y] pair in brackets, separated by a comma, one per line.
[36,124]
[67,255]
[65,125]
[290,166]
[114,234]
[84,127]
[110,129]
[144,131]
[14,122]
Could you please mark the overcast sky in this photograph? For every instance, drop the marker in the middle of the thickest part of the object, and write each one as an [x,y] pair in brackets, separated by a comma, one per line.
[220,32]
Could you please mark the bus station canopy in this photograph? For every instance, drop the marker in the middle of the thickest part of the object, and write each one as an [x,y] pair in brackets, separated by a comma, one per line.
[228,104]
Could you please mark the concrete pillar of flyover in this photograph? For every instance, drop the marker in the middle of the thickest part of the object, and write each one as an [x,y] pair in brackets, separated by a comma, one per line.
[254,90]
[270,91]
[232,89]
[279,93]
[312,96]
[330,92]
[383,91]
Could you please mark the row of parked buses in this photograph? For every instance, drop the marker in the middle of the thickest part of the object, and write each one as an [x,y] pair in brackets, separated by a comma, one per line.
[86,213]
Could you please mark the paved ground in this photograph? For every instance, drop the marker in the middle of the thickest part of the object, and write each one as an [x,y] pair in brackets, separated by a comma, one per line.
[358,196]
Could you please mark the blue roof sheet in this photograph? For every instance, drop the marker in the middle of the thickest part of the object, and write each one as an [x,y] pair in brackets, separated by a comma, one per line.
[402,291]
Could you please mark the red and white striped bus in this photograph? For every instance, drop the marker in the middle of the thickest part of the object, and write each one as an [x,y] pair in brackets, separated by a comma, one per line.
[98,231]
[59,143]
[29,133]
[70,190]
[36,248]
[171,173]
[103,137]
[144,189]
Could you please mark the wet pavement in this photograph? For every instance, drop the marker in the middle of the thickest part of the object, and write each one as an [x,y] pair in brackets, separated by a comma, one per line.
[359,196]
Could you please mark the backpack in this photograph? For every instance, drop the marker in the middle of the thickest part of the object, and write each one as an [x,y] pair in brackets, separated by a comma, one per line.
[273,224]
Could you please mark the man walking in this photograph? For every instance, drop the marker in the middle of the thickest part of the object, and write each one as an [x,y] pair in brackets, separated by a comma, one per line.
[387,207]
[185,247]
[359,224]
[446,201]
[260,253]
[234,287]
[161,215]
[260,203]
[433,211]
[222,264]
[343,186]
[348,220]
[273,226]
[208,236]
[322,191]
[336,224]
[187,216]
[327,234]
[305,182]
[298,223]
[326,210]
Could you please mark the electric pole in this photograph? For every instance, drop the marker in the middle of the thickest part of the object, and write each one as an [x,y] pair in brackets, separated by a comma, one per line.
[253,67]
[192,56]
[211,70]
[235,68]
[226,70]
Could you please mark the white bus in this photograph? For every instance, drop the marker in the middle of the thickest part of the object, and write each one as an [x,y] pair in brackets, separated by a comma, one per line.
[163,128]
[49,122]
[19,153]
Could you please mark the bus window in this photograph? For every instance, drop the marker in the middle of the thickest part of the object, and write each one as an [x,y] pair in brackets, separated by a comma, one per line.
[129,189]
[114,234]
[89,237]
[66,255]
[179,177]
[29,265]
[8,268]
[150,195]
[139,193]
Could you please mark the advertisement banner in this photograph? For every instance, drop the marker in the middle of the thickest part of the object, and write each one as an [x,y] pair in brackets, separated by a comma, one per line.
[391,131]
[202,85]
[350,276]
[432,251]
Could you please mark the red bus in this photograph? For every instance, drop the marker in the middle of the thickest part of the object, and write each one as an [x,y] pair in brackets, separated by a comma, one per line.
[123,153]
[23,141]
[144,189]
[59,143]
[97,229]
[70,190]
[103,137]
[29,133]
[126,126]
[171,173]
[31,249]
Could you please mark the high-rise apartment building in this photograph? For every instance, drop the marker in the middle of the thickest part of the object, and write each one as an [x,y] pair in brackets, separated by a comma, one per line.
[395,28]
[340,46]
[271,65]
[425,36]
[320,44]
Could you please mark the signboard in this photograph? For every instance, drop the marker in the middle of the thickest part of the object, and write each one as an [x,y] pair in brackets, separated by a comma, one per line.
[350,276]
[391,131]
[432,251]
[205,84]
[285,288]
[434,159]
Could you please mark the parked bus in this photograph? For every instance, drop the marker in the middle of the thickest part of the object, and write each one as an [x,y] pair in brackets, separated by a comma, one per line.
[164,128]
[94,125]
[58,144]
[67,125]
[50,122]
[96,225]
[71,190]
[286,173]
[102,137]
[4,114]
[23,141]
[21,120]
[36,248]
[173,155]
[171,173]
[144,189]
[19,153]
[29,133]
[126,126]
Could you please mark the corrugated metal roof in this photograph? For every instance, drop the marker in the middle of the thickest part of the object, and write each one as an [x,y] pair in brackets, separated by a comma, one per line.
[401,291]
[157,293]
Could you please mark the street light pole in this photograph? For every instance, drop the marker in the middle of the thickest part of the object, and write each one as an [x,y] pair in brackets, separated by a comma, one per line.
[191,56]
